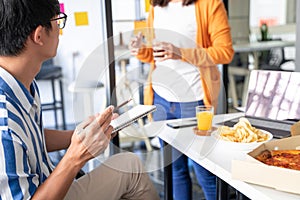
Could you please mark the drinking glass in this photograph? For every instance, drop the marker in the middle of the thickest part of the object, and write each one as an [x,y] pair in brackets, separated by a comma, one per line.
[204,115]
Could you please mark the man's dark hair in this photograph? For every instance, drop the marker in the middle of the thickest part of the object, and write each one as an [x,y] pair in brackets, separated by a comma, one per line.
[19,18]
[163,3]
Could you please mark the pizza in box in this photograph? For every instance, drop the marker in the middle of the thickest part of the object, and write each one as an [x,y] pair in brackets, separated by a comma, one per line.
[281,158]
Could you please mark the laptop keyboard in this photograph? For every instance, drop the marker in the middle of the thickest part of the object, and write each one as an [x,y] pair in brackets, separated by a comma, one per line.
[278,129]
[270,124]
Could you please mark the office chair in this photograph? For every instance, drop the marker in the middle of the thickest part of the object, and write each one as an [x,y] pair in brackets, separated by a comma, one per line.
[275,59]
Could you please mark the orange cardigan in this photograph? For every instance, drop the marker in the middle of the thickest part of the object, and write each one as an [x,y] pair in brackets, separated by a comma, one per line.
[214,47]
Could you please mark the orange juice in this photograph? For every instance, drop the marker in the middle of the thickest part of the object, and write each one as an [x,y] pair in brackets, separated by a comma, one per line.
[204,120]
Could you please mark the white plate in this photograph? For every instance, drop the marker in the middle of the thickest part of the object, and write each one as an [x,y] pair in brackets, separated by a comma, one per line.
[239,145]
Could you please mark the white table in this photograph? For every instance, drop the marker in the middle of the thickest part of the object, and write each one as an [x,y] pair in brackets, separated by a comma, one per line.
[256,47]
[206,151]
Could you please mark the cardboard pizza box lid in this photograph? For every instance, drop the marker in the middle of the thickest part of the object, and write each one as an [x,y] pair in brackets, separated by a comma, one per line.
[253,171]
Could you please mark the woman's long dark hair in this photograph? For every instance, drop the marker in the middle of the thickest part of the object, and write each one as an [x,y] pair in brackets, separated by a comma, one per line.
[163,3]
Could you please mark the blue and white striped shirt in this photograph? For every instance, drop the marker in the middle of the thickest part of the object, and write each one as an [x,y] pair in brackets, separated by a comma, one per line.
[24,162]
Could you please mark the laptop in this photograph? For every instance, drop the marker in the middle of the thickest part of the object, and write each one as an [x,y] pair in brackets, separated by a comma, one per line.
[273,101]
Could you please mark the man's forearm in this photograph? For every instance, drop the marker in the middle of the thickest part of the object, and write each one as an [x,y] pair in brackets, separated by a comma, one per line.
[57,139]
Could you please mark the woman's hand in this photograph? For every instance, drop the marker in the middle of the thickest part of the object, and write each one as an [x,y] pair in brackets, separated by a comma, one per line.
[92,136]
[136,43]
[166,51]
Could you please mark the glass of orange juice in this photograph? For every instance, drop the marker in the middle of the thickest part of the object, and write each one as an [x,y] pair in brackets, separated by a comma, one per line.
[204,115]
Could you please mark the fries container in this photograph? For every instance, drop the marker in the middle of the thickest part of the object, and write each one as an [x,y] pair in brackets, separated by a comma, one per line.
[254,171]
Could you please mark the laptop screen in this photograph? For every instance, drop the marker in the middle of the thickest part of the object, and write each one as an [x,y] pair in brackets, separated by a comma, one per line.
[273,95]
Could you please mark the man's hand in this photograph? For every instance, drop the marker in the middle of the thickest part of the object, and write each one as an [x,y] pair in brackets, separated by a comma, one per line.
[92,136]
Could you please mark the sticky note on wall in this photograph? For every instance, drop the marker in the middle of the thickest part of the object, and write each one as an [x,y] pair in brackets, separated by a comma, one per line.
[147,5]
[140,26]
[81,18]
[62,7]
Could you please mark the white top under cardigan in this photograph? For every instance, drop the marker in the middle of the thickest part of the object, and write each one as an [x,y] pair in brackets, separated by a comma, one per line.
[175,80]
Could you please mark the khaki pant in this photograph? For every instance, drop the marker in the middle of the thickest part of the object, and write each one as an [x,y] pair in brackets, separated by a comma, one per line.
[122,176]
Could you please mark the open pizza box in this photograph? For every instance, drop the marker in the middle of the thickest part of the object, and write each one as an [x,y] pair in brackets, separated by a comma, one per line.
[256,172]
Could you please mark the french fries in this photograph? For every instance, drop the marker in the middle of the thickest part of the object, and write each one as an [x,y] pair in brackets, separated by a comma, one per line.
[242,132]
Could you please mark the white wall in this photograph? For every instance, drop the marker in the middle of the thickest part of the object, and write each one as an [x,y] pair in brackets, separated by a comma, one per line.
[266,9]
[76,44]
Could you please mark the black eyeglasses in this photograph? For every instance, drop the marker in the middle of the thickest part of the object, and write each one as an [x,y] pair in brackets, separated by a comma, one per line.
[61,20]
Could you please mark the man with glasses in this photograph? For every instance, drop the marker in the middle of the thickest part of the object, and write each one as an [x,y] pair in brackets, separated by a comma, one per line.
[61,20]
[29,35]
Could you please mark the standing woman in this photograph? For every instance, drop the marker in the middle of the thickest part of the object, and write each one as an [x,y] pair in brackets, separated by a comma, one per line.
[192,36]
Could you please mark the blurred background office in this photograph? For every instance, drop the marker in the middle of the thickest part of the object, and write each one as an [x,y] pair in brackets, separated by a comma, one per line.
[83,57]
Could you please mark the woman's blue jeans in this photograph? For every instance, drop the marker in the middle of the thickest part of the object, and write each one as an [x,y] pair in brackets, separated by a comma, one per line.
[182,185]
